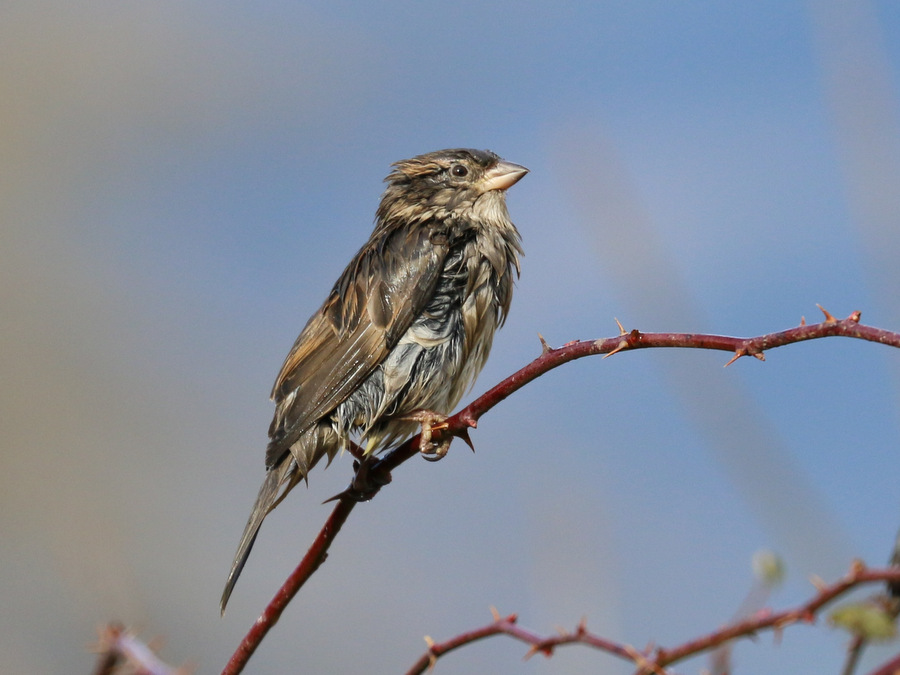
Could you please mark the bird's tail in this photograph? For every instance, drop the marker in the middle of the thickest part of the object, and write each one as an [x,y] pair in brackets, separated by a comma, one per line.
[284,475]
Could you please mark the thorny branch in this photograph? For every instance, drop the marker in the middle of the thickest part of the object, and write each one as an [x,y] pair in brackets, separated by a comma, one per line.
[377,471]
[656,660]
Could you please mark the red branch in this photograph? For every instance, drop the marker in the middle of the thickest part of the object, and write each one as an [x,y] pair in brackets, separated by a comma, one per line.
[314,557]
[655,661]
[891,667]
[460,423]
[806,612]
[507,626]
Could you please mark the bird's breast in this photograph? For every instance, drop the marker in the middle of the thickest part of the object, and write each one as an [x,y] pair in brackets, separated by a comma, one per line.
[440,354]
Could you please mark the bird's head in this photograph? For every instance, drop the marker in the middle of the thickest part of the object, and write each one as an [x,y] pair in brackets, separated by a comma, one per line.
[448,184]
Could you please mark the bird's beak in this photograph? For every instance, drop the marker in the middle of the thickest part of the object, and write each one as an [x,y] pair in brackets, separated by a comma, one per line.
[502,176]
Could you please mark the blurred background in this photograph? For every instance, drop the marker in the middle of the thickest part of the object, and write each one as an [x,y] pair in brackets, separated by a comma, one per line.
[181,184]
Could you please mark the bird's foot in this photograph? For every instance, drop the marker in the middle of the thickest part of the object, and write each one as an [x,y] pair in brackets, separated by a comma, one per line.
[367,481]
[433,443]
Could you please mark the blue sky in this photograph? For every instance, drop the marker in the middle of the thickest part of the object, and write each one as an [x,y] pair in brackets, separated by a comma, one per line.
[182,184]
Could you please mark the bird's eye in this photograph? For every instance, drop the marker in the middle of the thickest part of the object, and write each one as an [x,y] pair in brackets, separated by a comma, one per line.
[459,170]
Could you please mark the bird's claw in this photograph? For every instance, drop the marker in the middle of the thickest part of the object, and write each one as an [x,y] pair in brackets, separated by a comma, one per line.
[435,452]
[432,449]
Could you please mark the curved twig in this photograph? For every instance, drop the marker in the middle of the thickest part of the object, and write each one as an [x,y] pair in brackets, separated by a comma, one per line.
[656,661]
[459,424]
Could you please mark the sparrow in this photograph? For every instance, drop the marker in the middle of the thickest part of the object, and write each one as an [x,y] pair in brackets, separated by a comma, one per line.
[406,328]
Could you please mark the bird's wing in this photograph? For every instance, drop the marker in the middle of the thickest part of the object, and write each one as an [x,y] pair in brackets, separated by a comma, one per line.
[369,309]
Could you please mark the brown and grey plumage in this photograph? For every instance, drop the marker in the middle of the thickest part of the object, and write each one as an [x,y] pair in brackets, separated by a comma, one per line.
[407,327]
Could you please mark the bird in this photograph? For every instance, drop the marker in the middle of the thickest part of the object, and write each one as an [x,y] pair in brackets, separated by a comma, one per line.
[406,328]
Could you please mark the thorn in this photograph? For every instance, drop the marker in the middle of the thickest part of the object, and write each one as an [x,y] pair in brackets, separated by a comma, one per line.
[777,634]
[622,330]
[545,348]
[818,583]
[828,317]
[738,353]
[743,351]
[623,344]
[464,434]
[432,657]
[495,613]
[539,648]
[802,320]
[532,650]
[642,662]
[581,629]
